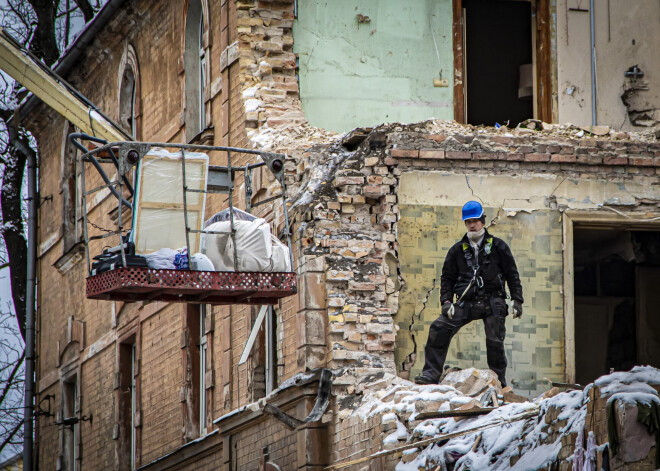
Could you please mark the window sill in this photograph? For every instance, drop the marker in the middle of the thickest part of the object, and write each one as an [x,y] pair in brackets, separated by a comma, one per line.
[204,138]
[70,259]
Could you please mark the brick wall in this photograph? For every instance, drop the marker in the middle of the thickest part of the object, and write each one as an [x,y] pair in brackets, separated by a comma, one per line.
[155,31]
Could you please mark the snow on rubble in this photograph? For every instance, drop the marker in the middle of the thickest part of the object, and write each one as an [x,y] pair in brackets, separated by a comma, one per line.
[545,440]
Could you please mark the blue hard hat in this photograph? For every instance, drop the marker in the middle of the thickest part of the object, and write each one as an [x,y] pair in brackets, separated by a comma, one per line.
[472,210]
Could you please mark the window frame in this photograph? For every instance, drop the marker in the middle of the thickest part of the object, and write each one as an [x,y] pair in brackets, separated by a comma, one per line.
[196,69]
[70,190]
[128,400]
[203,357]
[129,64]
[70,434]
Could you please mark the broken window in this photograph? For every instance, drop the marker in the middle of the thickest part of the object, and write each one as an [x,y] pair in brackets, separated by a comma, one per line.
[194,63]
[70,190]
[197,343]
[261,349]
[497,62]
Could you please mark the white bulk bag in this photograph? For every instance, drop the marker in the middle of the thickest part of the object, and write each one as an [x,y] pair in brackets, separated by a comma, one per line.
[281,258]
[253,245]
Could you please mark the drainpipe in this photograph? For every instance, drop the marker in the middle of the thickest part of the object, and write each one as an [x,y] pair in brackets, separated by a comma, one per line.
[28,410]
[593,63]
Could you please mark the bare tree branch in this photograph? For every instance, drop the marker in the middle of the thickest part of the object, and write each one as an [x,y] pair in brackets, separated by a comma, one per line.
[86,8]
[9,437]
[11,378]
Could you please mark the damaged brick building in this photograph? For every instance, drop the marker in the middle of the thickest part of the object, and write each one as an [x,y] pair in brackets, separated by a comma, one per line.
[373,212]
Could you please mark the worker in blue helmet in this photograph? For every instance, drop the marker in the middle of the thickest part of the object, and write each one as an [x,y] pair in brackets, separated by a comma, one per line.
[472,286]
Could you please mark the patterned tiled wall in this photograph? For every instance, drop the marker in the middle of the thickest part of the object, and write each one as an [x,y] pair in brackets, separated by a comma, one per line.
[535,343]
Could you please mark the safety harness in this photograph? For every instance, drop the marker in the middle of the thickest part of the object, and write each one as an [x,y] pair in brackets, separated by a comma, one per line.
[470,260]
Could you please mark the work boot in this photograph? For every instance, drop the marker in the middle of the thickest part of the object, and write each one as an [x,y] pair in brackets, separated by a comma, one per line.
[421,379]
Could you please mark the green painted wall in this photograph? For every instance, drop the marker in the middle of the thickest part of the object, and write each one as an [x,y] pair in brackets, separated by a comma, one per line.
[362,74]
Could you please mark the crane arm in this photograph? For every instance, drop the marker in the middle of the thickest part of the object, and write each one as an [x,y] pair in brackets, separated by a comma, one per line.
[32,75]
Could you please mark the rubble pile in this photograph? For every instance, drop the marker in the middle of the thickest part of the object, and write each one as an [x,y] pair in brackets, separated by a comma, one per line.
[539,129]
[564,427]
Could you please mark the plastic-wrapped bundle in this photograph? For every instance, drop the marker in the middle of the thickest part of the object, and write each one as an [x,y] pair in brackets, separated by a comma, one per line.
[257,249]
[280,257]
[253,245]
[161,259]
[224,215]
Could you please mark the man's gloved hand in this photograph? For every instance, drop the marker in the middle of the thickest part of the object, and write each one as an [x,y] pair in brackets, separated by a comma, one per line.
[448,310]
[517,309]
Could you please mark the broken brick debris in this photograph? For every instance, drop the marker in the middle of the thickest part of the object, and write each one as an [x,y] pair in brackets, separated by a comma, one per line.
[400,415]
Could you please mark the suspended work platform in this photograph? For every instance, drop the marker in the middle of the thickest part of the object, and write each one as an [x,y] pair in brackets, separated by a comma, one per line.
[171,213]
[188,286]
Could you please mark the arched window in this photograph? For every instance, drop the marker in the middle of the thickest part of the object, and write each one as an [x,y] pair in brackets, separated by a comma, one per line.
[129,81]
[127,101]
[194,63]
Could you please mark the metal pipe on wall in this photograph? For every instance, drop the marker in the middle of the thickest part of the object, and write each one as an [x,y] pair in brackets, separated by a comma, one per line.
[30,300]
[593,62]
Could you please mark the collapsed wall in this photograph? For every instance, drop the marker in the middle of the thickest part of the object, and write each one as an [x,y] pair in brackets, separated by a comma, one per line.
[345,198]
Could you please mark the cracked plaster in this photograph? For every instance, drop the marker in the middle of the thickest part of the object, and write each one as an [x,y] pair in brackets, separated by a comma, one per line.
[361,74]
[430,204]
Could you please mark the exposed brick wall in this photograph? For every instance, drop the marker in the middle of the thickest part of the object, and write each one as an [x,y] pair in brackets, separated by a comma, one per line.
[281,443]
[97,445]
[161,379]
[512,154]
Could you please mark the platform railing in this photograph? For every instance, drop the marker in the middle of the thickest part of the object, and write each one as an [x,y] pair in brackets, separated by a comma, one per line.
[125,156]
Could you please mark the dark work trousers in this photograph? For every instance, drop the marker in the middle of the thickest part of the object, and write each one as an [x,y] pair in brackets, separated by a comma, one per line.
[443,329]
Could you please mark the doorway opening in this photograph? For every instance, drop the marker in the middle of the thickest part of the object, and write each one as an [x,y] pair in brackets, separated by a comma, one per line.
[497,62]
[616,300]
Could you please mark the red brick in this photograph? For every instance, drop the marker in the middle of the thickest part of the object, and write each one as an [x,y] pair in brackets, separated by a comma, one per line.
[455,155]
[537,157]
[590,159]
[376,191]
[512,156]
[501,139]
[641,161]
[559,158]
[615,160]
[484,155]
[405,153]
[431,154]
[436,137]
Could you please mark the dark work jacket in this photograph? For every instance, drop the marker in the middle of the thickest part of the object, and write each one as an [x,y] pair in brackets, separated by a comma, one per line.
[495,268]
